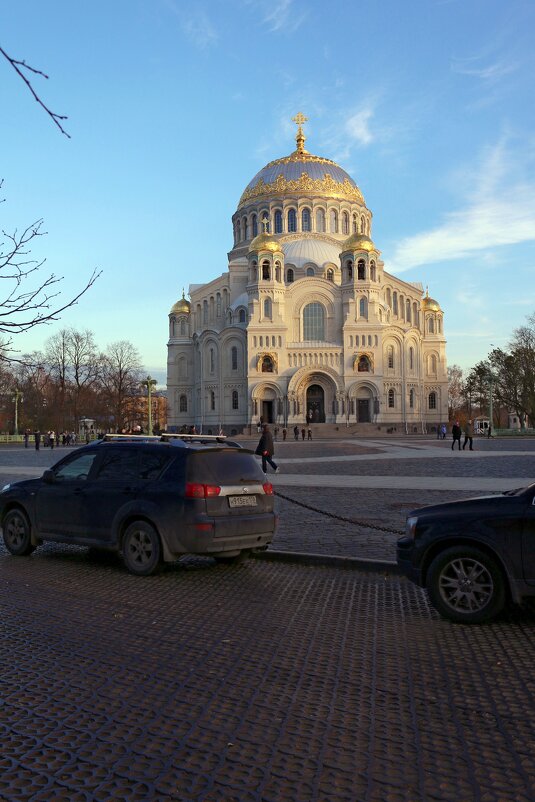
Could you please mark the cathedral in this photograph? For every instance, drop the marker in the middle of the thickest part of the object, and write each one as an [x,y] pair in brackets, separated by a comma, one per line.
[306,326]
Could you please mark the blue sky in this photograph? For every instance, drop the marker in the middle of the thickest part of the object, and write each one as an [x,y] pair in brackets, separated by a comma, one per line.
[174,106]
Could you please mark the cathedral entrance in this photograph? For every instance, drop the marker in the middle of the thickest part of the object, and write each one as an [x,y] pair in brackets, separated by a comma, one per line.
[267,412]
[315,404]
[363,410]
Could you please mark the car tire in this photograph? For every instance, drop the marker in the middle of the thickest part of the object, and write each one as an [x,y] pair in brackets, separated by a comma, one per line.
[17,533]
[466,585]
[141,548]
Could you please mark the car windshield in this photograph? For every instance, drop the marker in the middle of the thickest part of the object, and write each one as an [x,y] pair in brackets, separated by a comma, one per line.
[224,467]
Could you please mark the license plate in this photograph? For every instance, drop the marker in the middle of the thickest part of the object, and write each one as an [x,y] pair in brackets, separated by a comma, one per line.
[242,501]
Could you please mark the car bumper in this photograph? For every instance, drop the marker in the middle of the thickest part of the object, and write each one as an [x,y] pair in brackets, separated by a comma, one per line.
[404,554]
[207,535]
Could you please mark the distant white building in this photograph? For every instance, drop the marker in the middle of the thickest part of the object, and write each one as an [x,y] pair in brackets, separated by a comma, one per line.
[306,324]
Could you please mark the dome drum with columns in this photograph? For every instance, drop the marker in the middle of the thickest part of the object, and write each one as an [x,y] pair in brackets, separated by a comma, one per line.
[306,325]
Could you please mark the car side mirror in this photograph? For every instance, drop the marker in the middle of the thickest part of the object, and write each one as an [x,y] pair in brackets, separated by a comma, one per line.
[49,477]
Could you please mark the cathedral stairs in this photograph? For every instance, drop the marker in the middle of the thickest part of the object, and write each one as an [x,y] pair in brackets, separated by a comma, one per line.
[330,431]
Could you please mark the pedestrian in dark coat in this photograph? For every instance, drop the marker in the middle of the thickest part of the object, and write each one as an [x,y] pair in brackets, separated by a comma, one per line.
[266,449]
[37,438]
[296,432]
[456,434]
[468,435]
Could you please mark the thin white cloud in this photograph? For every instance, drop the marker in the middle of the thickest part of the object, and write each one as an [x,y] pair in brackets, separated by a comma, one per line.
[282,16]
[485,72]
[500,211]
[358,126]
[199,29]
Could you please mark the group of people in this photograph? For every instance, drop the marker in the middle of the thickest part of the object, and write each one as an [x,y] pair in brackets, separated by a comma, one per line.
[456,433]
[49,438]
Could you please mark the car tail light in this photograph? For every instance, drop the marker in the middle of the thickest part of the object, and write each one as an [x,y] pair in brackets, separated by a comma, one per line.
[197,490]
[268,488]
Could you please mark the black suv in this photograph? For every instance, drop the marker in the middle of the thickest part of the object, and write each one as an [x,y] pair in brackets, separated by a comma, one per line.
[151,501]
[472,555]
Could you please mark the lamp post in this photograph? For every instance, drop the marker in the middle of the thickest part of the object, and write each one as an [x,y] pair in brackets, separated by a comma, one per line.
[149,383]
[16,398]
[491,384]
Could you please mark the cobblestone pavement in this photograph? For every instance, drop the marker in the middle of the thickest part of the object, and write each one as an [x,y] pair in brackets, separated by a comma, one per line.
[264,682]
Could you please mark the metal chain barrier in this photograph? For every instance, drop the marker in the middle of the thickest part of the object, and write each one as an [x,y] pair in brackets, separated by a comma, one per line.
[354,521]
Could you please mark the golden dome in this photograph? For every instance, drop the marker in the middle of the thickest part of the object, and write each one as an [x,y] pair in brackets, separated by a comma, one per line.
[358,242]
[429,304]
[181,307]
[265,242]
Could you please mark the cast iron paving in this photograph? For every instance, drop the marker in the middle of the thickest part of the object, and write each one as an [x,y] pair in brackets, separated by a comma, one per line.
[264,682]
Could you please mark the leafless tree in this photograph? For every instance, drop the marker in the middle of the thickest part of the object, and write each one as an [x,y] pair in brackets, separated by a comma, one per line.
[120,377]
[23,70]
[26,299]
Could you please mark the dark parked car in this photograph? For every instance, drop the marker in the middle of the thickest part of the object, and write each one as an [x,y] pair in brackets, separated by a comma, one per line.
[474,555]
[152,501]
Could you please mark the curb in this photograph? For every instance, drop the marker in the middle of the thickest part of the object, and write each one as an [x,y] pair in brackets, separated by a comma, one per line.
[305,558]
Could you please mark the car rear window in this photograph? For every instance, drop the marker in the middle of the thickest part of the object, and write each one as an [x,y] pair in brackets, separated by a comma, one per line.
[224,468]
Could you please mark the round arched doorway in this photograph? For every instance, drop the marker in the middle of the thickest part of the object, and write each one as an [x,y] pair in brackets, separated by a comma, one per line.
[315,404]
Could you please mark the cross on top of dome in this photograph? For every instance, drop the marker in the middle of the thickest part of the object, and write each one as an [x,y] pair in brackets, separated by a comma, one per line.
[299,119]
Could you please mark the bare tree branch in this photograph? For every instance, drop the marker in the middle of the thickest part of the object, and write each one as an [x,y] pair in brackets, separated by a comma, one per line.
[19,66]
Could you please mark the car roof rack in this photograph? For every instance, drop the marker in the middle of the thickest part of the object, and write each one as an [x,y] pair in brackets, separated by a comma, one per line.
[203,439]
[132,438]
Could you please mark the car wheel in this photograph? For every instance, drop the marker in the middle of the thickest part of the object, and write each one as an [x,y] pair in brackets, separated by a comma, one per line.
[17,533]
[141,548]
[466,585]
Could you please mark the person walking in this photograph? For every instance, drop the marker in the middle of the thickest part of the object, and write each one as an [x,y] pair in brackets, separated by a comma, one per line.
[284,433]
[309,433]
[303,432]
[37,438]
[296,432]
[26,437]
[456,434]
[489,432]
[443,431]
[468,435]
[266,449]
[52,439]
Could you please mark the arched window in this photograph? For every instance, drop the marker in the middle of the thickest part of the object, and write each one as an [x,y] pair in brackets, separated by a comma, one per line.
[310,271]
[290,275]
[267,307]
[266,271]
[333,220]
[254,221]
[411,358]
[390,356]
[212,360]
[395,303]
[183,403]
[241,316]
[205,311]
[212,400]
[355,224]
[411,398]
[362,225]
[364,364]
[391,398]
[432,400]
[306,222]
[330,275]
[292,220]
[277,271]
[218,304]
[388,297]
[361,269]
[235,399]
[314,322]
[349,265]
[431,326]
[267,364]
[345,223]
[408,313]
[415,314]
[320,220]
[182,326]
[373,271]
[238,231]
[363,308]
[432,364]
[278,222]
[245,228]
[234,357]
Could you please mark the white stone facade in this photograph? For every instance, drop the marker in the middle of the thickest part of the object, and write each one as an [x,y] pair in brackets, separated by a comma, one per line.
[306,325]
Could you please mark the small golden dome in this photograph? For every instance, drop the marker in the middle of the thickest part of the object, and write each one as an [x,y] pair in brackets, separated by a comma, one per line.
[181,307]
[429,304]
[264,242]
[358,242]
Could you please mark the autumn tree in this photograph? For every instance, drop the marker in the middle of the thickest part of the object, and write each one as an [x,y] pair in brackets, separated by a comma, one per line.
[455,391]
[120,381]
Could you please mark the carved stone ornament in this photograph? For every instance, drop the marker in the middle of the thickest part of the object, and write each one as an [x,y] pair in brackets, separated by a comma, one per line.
[326,186]
[260,360]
